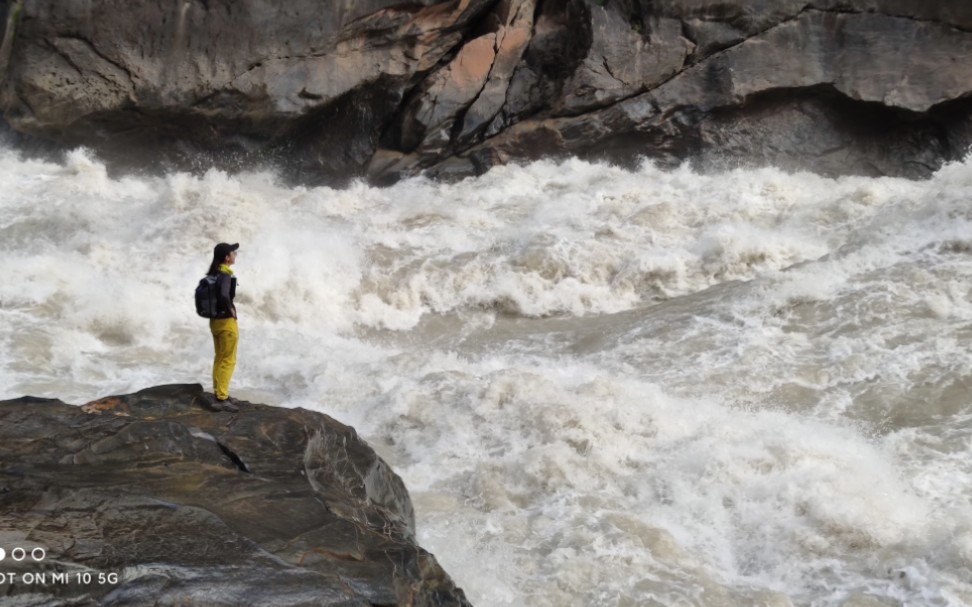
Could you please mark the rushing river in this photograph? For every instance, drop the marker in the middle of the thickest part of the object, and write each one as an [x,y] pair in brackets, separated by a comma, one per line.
[602,387]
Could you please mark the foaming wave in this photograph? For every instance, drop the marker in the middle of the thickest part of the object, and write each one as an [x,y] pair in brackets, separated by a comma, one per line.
[602,386]
[612,491]
[548,239]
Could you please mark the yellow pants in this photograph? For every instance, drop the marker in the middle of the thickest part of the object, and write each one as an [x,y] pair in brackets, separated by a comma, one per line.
[225,337]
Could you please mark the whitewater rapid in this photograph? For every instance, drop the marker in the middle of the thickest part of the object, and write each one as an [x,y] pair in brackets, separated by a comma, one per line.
[602,387]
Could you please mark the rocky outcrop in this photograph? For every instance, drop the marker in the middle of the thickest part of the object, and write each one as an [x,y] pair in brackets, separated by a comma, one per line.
[836,92]
[151,499]
[383,89]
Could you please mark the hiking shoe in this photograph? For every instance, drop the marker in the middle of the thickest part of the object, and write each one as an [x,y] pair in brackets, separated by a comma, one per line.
[207,400]
[230,404]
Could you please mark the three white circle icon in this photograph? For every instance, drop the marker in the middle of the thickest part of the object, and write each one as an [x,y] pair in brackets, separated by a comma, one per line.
[18,554]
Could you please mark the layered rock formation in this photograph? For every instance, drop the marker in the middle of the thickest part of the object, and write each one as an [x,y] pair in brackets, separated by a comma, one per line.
[382,89]
[150,499]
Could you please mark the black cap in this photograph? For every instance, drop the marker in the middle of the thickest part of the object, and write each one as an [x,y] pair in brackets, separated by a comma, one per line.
[223,249]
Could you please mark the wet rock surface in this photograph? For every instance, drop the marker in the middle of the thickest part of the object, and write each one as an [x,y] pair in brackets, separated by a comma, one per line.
[152,499]
[384,89]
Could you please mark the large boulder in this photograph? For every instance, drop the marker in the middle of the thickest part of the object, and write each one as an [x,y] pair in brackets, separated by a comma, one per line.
[152,499]
[384,89]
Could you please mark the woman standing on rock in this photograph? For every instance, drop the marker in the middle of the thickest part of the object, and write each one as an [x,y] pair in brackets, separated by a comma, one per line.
[223,326]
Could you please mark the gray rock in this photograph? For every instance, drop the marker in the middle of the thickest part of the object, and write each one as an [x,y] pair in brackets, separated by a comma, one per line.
[164,502]
[386,89]
[836,93]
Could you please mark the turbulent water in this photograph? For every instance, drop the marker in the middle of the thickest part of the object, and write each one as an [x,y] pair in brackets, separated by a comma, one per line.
[602,387]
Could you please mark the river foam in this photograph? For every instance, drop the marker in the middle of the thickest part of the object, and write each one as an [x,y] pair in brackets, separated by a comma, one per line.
[602,387]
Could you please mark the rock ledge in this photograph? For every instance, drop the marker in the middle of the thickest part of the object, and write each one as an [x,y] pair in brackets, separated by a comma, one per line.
[163,502]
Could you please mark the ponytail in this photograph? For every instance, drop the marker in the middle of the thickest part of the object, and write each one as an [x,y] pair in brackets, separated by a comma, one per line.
[214,267]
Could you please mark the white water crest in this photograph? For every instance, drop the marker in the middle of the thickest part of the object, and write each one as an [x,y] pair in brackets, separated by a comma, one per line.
[602,387]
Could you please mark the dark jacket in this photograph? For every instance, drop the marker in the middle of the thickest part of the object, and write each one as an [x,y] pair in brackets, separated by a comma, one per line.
[226,292]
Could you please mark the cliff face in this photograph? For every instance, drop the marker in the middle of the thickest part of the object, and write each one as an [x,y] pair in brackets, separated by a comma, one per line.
[150,499]
[381,89]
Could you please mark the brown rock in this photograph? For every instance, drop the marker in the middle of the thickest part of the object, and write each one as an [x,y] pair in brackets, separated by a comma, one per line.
[430,118]
[512,38]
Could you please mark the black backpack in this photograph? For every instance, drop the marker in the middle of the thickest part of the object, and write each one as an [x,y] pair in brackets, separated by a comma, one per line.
[206,297]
